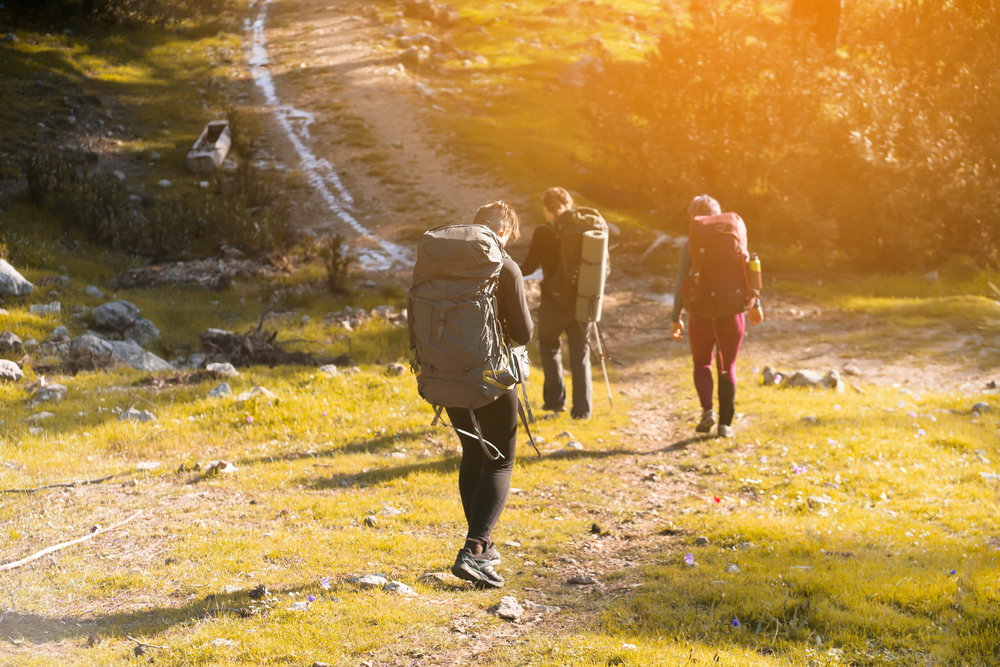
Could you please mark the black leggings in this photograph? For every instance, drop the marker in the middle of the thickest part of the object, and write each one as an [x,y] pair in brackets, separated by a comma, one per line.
[482,482]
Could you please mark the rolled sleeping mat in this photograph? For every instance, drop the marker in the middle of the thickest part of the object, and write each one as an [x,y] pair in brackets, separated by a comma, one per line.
[593,270]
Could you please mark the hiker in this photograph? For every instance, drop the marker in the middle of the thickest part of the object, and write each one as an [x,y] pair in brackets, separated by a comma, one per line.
[555,247]
[465,288]
[716,290]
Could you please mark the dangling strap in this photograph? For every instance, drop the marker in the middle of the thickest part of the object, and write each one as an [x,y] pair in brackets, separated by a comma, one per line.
[527,405]
[485,444]
[524,420]
[438,409]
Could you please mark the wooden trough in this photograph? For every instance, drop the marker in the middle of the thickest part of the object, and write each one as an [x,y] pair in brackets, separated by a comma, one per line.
[211,149]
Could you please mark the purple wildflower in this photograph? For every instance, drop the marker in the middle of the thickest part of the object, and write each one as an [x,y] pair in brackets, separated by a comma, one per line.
[325,583]
[249,419]
[797,469]
[921,432]
[911,413]
[312,598]
[736,622]
[689,559]
[952,572]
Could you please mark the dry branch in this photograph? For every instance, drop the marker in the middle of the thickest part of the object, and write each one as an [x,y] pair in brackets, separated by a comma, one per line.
[57,547]
[144,643]
[62,485]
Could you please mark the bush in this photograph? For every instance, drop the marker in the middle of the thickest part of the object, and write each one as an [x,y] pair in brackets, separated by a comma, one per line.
[885,150]
[333,251]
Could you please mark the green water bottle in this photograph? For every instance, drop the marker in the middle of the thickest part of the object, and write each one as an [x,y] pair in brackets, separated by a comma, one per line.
[756,282]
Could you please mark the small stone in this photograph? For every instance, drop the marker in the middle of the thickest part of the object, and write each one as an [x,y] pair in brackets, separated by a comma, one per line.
[10,343]
[732,568]
[11,37]
[30,344]
[371,521]
[980,408]
[539,608]
[701,541]
[9,371]
[195,361]
[164,183]
[852,369]
[49,393]
[320,664]
[330,370]
[396,369]
[574,446]
[565,434]
[39,417]
[581,580]
[258,592]
[154,156]
[298,606]
[256,392]
[512,544]
[133,415]
[220,642]
[399,588]
[120,175]
[142,331]
[221,391]
[146,466]
[595,529]
[389,510]
[304,320]
[806,379]
[372,581]
[60,332]
[45,308]
[226,370]
[509,609]
[931,276]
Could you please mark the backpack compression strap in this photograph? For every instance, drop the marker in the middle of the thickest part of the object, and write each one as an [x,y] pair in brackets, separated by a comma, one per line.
[524,420]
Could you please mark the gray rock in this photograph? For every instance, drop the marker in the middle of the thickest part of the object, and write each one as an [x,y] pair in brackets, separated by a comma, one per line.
[980,408]
[304,320]
[389,510]
[45,308]
[509,609]
[150,363]
[9,371]
[574,445]
[142,331]
[581,580]
[13,283]
[195,361]
[396,369]
[59,332]
[89,344]
[701,541]
[131,354]
[399,588]
[771,375]
[133,415]
[806,379]
[10,342]
[330,370]
[371,521]
[256,392]
[372,581]
[11,37]
[221,391]
[115,316]
[30,344]
[225,370]
[50,392]
[732,568]
[39,417]
[540,608]
[852,369]
[154,156]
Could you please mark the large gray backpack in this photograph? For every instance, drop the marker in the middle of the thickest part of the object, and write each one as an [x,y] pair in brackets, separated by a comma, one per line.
[461,358]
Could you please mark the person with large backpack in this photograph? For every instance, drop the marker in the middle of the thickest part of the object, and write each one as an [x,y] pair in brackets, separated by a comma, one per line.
[718,283]
[555,247]
[465,309]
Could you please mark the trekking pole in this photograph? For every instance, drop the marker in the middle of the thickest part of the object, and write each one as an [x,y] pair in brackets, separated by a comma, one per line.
[604,367]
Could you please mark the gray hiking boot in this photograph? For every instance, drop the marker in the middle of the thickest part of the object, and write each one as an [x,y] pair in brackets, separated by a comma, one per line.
[476,569]
[492,554]
[726,431]
[707,421]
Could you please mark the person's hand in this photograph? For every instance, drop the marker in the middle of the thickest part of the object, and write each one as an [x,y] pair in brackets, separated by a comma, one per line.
[677,329]
[756,315]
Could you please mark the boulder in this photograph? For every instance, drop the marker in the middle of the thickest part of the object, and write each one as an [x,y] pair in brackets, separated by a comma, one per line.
[9,371]
[115,315]
[10,342]
[196,361]
[89,344]
[142,331]
[13,283]
[806,379]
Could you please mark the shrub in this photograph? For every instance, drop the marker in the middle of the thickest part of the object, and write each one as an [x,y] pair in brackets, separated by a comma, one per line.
[336,259]
[885,149]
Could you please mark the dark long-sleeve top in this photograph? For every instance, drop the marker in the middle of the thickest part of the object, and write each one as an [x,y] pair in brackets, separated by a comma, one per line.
[544,252]
[683,269]
[512,305]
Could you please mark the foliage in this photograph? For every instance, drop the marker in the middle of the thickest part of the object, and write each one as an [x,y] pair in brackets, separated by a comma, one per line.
[333,252]
[125,13]
[884,150]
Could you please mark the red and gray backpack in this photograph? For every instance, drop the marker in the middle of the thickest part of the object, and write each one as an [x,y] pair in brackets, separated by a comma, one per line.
[718,284]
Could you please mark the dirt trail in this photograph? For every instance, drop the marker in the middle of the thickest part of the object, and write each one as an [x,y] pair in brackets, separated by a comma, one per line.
[365,123]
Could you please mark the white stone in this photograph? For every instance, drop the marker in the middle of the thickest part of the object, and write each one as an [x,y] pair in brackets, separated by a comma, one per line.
[399,588]
[145,466]
[509,609]
[38,417]
[133,415]
[574,445]
[330,370]
[120,175]
[221,391]
[372,581]
[256,392]
[50,392]
[45,308]
[10,371]
[226,370]
[13,283]
[94,291]
[164,183]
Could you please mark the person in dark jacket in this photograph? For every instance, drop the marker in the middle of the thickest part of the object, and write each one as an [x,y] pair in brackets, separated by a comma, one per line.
[554,320]
[718,337]
[482,482]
